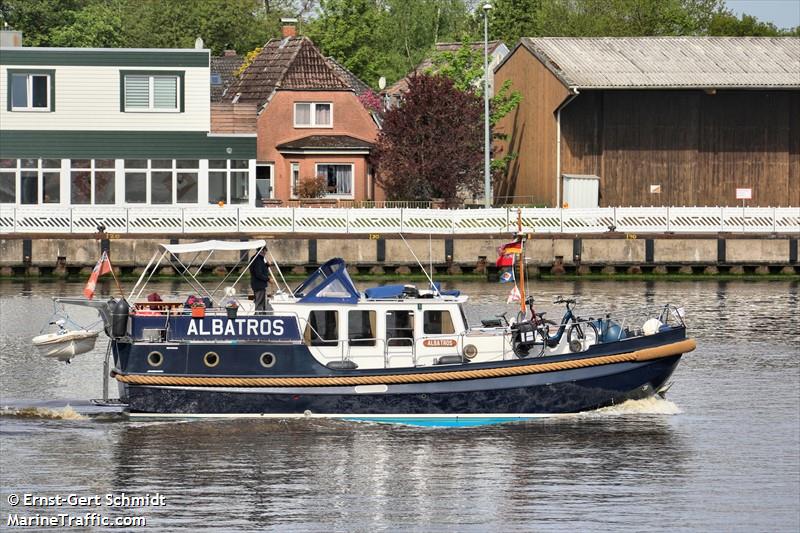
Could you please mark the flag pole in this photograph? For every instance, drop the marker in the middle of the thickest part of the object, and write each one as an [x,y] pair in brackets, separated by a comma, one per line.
[119,288]
[521,261]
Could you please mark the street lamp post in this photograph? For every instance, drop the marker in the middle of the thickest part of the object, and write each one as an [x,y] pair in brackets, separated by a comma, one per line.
[487,179]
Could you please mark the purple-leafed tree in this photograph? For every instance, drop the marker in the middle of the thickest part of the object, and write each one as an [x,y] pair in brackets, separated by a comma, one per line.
[431,146]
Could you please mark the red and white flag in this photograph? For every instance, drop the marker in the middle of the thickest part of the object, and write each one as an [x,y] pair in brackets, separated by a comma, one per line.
[514,295]
[103,266]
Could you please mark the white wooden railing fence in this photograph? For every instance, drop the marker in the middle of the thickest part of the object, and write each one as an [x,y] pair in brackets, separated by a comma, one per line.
[331,221]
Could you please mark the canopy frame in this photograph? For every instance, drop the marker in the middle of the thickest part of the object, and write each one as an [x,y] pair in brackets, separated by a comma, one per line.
[171,253]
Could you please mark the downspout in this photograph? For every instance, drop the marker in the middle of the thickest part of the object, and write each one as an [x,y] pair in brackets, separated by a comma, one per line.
[574,93]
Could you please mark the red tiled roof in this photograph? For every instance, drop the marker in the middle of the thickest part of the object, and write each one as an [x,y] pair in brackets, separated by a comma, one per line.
[290,63]
[226,67]
[401,86]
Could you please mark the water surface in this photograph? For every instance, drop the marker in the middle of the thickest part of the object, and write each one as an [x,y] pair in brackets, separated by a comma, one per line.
[720,454]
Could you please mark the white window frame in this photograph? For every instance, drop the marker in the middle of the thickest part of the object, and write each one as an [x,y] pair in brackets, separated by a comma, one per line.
[29,83]
[352,178]
[92,169]
[294,165]
[255,181]
[312,116]
[251,182]
[151,94]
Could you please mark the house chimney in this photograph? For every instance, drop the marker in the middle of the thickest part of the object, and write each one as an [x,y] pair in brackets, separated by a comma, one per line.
[229,53]
[10,37]
[288,27]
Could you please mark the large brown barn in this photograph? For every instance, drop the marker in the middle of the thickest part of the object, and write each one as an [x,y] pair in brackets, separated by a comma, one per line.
[664,121]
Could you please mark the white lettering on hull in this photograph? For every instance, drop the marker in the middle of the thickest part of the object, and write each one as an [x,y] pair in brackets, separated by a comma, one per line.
[250,327]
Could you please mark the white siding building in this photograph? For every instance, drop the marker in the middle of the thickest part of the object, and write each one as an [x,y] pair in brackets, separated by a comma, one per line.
[116,127]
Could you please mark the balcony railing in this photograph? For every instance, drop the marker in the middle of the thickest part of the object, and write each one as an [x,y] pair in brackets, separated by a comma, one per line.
[289,220]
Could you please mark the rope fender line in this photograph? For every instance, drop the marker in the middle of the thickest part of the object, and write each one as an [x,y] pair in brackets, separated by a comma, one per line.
[646,354]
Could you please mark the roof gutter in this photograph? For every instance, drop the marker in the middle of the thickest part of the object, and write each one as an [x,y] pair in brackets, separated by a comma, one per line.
[573,94]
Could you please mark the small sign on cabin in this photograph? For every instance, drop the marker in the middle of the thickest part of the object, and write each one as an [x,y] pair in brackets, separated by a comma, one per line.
[744,194]
[655,189]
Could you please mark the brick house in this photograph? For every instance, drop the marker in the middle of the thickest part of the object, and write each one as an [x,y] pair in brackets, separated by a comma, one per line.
[310,121]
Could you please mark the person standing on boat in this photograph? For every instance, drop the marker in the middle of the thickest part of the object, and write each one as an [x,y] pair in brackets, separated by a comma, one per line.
[259,279]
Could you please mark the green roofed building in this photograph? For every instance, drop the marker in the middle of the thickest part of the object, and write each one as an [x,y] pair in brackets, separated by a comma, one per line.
[116,127]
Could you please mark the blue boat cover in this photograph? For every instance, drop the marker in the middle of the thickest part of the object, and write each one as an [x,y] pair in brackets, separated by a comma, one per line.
[436,286]
[330,283]
[385,291]
[397,291]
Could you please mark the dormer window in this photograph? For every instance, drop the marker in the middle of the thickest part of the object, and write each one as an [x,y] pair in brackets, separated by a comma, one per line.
[313,115]
[31,91]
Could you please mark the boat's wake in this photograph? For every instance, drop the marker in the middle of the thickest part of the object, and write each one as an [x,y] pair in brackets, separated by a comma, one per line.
[654,405]
[64,413]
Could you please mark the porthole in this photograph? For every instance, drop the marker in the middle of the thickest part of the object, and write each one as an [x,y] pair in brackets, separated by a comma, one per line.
[470,351]
[211,359]
[155,359]
[267,360]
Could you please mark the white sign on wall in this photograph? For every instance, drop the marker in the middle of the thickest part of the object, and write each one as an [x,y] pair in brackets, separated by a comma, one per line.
[744,194]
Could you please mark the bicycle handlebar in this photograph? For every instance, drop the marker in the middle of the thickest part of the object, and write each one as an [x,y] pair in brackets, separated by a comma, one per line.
[561,300]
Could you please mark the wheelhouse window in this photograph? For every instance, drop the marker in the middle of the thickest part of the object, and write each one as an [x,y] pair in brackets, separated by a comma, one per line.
[152,92]
[322,328]
[437,323]
[313,115]
[31,91]
[339,178]
[400,328]
[361,328]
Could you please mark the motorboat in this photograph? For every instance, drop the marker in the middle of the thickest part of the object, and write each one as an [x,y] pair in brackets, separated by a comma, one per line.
[65,344]
[327,349]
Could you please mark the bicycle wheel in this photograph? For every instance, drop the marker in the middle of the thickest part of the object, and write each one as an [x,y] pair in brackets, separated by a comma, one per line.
[581,336]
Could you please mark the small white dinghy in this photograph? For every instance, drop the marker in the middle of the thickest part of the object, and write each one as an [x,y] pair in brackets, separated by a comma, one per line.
[64,344]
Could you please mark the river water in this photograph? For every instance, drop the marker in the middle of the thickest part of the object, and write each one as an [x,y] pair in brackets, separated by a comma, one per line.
[721,454]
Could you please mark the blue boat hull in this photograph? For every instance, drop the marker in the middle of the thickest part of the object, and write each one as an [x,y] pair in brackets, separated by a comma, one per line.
[564,391]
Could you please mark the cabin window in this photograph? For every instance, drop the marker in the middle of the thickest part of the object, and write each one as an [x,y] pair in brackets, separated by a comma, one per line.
[322,328]
[313,115]
[361,328]
[437,323]
[31,91]
[399,328]
[151,92]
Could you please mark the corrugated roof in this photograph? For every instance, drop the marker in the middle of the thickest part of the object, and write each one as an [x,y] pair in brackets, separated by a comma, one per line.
[290,63]
[663,62]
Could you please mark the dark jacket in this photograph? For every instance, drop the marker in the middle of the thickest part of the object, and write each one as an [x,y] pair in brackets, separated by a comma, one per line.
[259,275]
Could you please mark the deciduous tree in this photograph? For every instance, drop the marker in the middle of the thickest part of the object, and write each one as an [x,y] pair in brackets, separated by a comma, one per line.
[431,145]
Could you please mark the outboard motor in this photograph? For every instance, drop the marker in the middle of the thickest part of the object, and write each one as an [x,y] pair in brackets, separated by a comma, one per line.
[120,314]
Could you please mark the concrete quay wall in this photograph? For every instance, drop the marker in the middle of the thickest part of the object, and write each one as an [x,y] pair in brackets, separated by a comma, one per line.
[465,252]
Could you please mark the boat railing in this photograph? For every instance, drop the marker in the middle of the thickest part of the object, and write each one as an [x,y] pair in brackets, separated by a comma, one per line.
[395,353]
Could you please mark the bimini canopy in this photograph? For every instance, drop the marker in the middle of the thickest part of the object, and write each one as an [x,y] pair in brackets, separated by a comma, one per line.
[330,283]
[212,246]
